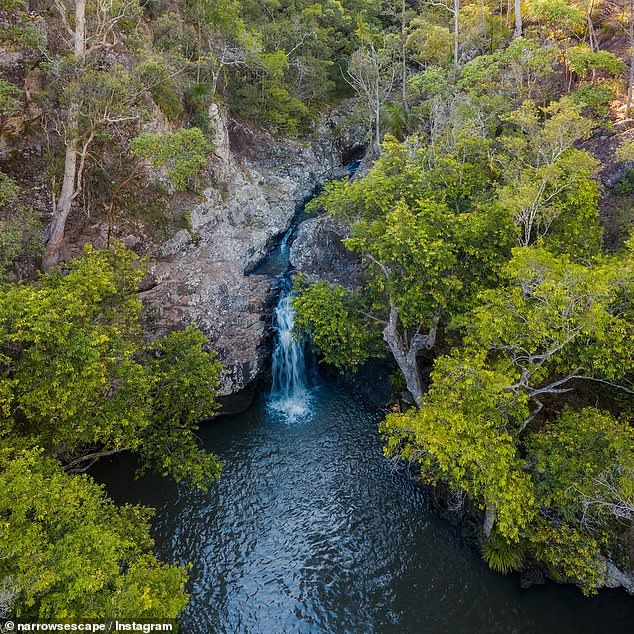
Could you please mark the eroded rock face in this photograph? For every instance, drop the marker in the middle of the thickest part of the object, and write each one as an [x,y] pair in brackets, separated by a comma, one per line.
[200,275]
[318,253]
[224,303]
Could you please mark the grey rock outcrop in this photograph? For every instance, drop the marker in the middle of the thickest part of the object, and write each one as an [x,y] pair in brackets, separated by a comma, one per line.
[258,181]
[318,253]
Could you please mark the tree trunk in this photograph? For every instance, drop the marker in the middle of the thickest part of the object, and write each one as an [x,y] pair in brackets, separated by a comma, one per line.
[377,125]
[592,40]
[489,519]
[52,252]
[519,28]
[456,27]
[630,83]
[406,357]
[404,57]
[80,27]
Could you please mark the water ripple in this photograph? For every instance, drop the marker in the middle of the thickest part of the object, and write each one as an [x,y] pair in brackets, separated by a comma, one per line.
[310,530]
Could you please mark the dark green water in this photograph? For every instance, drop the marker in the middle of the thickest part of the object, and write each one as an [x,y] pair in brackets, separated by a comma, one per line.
[311,530]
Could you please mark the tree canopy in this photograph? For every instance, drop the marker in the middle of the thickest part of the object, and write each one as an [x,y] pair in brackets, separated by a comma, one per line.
[78,382]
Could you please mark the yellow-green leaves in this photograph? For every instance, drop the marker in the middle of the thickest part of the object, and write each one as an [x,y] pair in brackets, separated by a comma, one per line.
[183,153]
[338,331]
[76,376]
[463,434]
[70,553]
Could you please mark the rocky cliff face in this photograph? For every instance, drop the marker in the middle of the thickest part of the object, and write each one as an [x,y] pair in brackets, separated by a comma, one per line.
[200,276]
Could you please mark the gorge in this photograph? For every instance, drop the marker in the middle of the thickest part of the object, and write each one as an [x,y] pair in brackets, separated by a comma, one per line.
[312,529]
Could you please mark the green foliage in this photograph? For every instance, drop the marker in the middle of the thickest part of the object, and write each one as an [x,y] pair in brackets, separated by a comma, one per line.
[584,463]
[583,60]
[432,81]
[493,161]
[459,435]
[554,324]
[595,96]
[9,5]
[185,384]
[70,553]
[9,190]
[520,71]
[19,226]
[165,90]
[20,233]
[429,43]
[183,153]
[396,119]
[18,28]
[340,334]
[550,188]
[625,151]
[570,554]
[562,17]
[76,374]
[558,316]
[501,555]
[9,98]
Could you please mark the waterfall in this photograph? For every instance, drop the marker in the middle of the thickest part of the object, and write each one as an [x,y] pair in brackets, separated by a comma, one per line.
[289,393]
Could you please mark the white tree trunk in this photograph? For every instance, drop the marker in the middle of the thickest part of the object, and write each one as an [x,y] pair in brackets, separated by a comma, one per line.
[630,83]
[456,34]
[489,519]
[406,356]
[518,19]
[70,184]
[404,56]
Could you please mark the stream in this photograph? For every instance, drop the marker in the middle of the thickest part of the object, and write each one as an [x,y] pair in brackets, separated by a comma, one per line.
[311,529]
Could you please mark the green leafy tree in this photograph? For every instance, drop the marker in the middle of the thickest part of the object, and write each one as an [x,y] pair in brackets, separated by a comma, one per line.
[92,100]
[555,327]
[183,153]
[77,377]
[372,73]
[68,552]
[425,250]
[549,185]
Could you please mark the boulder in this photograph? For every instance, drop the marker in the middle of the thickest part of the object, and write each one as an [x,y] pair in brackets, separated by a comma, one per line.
[318,253]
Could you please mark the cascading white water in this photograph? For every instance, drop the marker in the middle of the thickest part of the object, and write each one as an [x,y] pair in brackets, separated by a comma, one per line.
[289,393]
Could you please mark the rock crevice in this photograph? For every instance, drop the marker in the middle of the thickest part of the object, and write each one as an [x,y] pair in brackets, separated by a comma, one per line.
[200,276]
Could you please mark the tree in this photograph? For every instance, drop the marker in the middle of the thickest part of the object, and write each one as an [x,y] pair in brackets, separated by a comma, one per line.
[77,378]
[461,435]
[519,28]
[183,153]
[552,328]
[398,10]
[372,73]
[94,100]
[453,6]
[426,252]
[549,183]
[19,225]
[69,553]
